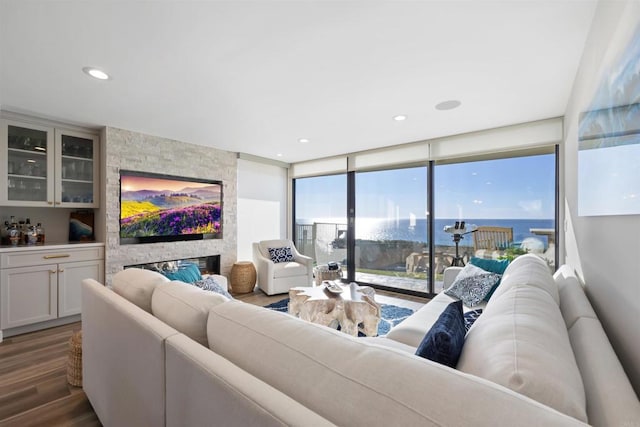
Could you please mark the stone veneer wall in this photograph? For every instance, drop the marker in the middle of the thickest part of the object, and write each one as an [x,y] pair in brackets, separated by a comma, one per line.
[139,152]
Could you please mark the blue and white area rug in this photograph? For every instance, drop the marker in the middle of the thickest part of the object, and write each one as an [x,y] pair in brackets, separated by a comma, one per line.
[391,314]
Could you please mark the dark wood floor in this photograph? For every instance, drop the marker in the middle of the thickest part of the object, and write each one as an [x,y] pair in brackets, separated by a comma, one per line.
[33,381]
[33,372]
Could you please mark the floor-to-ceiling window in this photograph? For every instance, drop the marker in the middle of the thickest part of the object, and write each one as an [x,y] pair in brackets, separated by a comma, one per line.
[391,240]
[509,202]
[320,212]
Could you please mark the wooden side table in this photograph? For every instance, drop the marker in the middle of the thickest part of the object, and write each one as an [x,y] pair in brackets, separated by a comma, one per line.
[243,277]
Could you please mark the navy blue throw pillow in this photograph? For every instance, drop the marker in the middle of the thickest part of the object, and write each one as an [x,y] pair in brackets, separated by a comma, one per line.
[281,254]
[443,343]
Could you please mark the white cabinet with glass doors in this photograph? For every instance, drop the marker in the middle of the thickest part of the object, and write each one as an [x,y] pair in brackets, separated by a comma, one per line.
[47,166]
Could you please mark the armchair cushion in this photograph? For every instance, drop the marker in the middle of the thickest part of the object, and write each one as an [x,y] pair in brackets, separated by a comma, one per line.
[283,254]
[289,269]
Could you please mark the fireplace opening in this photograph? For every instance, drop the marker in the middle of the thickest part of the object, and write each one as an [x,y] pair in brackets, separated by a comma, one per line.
[206,264]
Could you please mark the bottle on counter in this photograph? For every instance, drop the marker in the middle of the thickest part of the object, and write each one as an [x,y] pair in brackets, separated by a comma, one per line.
[4,234]
[14,233]
[32,236]
[39,234]
[26,230]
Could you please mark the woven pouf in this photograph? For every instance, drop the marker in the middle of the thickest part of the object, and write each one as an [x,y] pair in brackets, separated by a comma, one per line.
[74,360]
[243,277]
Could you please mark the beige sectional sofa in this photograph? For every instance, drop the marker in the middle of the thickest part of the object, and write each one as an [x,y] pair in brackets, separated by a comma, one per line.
[211,361]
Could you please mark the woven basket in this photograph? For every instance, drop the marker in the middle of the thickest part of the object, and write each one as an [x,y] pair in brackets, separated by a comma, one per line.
[243,277]
[74,361]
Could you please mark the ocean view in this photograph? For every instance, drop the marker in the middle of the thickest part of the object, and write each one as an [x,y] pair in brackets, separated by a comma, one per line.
[402,230]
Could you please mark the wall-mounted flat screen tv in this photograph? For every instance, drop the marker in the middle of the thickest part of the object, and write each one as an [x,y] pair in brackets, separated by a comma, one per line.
[163,208]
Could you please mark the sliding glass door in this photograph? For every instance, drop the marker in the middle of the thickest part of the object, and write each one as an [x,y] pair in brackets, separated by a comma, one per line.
[391,239]
[320,212]
[509,202]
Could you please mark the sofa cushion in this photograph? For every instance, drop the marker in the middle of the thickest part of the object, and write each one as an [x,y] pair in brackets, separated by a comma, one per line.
[137,285]
[472,284]
[282,254]
[413,329]
[528,270]
[351,382]
[521,342]
[185,308]
[443,343]
[289,269]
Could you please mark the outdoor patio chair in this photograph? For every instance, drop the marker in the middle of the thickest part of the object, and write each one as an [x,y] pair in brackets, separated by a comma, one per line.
[489,241]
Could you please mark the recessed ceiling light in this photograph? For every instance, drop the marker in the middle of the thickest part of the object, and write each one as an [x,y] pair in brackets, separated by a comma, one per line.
[279,154]
[96,73]
[399,118]
[448,105]
[303,140]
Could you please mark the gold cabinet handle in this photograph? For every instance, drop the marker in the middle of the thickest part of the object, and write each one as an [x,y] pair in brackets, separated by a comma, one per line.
[56,256]
[50,202]
[61,270]
[52,271]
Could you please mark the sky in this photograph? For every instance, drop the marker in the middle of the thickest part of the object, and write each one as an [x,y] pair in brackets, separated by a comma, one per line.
[135,183]
[513,188]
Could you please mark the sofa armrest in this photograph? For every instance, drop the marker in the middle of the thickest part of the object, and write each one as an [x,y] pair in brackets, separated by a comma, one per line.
[122,349]
[450,274]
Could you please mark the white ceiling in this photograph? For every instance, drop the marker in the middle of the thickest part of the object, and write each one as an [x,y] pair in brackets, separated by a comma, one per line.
[256,76]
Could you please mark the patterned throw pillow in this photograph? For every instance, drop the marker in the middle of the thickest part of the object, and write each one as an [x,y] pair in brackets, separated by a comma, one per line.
[497,266]
[210,284]
[472,284]
[443,343]
[281,254]
[470,317]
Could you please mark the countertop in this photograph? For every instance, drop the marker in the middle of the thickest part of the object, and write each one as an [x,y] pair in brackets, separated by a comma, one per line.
[49,246]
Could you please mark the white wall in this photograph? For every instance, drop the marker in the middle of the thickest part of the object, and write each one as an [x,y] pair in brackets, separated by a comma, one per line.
[605,250]
[262,204]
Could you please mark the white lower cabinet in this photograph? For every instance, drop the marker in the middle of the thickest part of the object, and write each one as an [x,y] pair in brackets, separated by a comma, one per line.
[41,285]
[29,295]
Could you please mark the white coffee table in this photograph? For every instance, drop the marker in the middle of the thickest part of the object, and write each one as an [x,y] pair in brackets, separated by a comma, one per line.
[353,307]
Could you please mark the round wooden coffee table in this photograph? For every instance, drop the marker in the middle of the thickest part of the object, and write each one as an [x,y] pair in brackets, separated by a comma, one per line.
[354,306]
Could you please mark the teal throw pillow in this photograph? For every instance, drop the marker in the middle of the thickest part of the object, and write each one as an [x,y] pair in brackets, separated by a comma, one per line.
[497,266]
[187,272]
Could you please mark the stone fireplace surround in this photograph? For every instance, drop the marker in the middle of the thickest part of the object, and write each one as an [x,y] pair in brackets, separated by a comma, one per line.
[122,149]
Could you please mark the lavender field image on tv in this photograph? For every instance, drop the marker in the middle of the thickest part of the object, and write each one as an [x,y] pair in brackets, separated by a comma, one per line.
[153,206]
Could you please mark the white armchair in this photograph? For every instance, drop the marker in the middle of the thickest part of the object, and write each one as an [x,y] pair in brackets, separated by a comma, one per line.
[278,278]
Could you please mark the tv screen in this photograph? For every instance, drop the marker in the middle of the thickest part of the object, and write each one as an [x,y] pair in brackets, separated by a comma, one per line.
[160,208]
